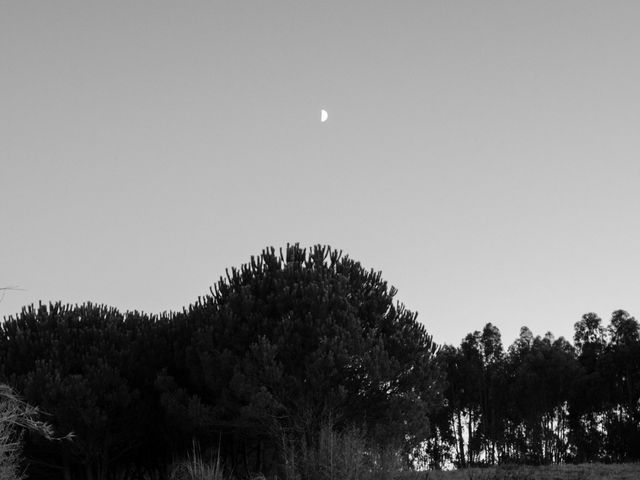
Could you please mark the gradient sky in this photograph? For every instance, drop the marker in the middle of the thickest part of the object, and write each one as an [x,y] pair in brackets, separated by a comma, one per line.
[483,155]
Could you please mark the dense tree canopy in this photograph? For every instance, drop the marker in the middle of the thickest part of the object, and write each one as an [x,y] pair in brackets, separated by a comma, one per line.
[281,347]
[293,338]
[544,401]
[300,346]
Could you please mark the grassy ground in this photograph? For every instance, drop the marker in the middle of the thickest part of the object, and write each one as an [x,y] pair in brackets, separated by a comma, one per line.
[595,471]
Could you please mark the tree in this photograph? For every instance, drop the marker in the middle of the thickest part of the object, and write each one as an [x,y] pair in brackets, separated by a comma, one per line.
[289,340]
[543,377]
[619,365]
[590,393]
[94,370]
[492,420]
[506,408]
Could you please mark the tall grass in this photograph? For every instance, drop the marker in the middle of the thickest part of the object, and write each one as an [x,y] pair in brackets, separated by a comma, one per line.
[195,468]
[329,455]
[336,455]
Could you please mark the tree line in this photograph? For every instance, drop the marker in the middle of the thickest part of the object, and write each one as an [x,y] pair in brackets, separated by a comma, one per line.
[302,347]
[543,400]
[285,345]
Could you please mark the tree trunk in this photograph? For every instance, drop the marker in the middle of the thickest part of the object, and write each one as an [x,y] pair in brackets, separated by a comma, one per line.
[470,452]
[462,459]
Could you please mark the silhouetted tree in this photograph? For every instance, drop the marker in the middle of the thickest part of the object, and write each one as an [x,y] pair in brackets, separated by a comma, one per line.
[288,340]
[619,365]
[590,392]
[93,371]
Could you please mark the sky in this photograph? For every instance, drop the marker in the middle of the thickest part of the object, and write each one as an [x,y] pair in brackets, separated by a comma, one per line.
[483,155]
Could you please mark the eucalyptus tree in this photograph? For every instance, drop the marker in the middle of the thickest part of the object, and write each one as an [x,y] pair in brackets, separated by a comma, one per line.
[619,365]
[590,392]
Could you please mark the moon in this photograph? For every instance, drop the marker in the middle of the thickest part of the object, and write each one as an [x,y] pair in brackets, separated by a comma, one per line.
[323,115]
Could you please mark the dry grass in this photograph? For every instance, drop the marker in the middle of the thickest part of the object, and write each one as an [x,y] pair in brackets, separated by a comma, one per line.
[591,471]
[333,456]
[9,442]
[195,468]
[16,416]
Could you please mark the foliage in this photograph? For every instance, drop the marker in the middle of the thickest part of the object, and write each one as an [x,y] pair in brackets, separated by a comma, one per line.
[92,369]
[302,364]
[288,339]
[544,401]
[280,343]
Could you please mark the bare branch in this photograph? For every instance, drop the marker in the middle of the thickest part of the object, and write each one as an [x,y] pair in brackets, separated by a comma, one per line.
[4,290]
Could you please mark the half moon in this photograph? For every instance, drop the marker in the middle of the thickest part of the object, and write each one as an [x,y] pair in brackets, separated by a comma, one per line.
[323,115]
